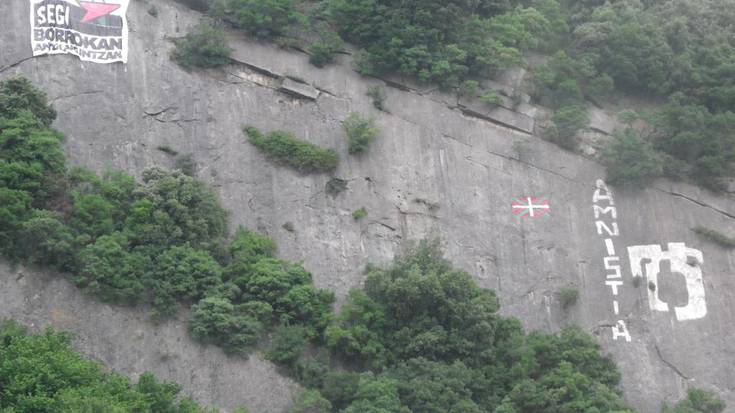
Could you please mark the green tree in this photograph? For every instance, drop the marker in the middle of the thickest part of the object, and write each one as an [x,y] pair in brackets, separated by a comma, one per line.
[631,161]
[263,17]
[376,395]
[340,388]
[14,207]
[18,95]
[216,320]
[567,121]
[174,209]
[435,387]
[311,401]
[46,239]
[361,132]
[110,271]
[698,401]
[41,373]
[183,273]
[288,344]
[31,158]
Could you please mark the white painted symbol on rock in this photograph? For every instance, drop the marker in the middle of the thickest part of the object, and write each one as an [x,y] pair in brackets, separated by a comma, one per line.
[621,330]
[649,257]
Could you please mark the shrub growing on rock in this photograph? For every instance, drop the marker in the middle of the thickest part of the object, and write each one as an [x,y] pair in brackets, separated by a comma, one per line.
[43,373]
[698,401]
[716,236]
[567,121]
[17,94]
[631,161]
[568,297]
[377,94]
[206,46]
[361,132]
[286,149]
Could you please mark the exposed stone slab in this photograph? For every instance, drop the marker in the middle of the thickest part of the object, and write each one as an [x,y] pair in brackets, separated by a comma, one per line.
[298,89]
[601,121]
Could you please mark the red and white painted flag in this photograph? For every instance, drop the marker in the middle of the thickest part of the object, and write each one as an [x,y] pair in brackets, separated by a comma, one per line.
[530,207]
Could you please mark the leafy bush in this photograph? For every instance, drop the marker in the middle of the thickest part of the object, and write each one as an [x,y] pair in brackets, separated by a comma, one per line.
[377,94]
[322,51]
[359,213]
[468,88]
[492,98]
[167,150]
[630,160]
[204,47]
[715,236]
[361,132]
[42,373]
[285,149]
[335,185]
[698,401]
[567,121]
[568,297]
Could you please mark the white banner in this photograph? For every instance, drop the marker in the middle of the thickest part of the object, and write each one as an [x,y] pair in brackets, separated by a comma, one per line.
[93,30]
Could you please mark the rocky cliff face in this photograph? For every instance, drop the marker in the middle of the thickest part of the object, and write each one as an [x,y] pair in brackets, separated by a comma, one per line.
[439,168]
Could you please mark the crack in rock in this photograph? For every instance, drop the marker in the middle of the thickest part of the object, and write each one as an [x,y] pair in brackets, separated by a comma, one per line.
[12,65]
[700,203]
[671,366]
[91,92]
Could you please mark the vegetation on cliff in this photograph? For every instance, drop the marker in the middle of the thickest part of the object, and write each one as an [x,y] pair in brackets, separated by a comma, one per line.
[162,241]
[680,52]
[420,335]
[41,373]
[286,149]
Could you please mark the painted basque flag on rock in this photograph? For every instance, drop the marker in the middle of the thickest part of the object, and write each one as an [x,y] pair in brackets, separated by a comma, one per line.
[530,207]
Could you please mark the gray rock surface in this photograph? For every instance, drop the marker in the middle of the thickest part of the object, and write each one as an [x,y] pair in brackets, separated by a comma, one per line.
[434,171]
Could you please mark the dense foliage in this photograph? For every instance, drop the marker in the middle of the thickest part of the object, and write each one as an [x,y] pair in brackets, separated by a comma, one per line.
[438,41]
[422,337]
[678,50]
[263,17]
[161,241]
[286,149]
[206,46]
[41,373]
[631,160]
